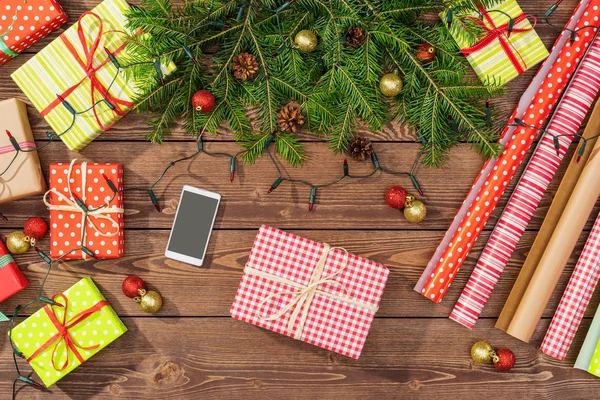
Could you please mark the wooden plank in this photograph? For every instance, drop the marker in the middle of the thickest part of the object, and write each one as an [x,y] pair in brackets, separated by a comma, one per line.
[209,291]
[352,204]
[403,358]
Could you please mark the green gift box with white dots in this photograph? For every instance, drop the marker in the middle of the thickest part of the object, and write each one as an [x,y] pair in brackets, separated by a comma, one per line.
[56,340]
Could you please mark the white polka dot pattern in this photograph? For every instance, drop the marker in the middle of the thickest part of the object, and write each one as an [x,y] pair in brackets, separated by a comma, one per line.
[65,234]
[331,324]
[33,333]
[33,20]
[536,179]
[497,174]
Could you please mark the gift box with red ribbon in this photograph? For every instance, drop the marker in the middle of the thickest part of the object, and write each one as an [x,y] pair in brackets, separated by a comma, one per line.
[74,83]
[57,339]
[25,22]
[12,279]
[310,291]
[86,215]
[507,46]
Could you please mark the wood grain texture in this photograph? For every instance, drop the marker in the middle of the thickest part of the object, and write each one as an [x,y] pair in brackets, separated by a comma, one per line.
[193,350]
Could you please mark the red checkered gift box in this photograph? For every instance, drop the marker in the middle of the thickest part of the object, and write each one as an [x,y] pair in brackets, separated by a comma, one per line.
[310,291]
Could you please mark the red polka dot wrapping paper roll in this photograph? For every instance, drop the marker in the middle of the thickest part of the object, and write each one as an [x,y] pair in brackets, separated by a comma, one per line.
[310,291]
[532,186]
[103,230]
[534,108]
[25,22]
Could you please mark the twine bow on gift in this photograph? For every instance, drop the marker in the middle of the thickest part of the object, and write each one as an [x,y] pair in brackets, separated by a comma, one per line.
[64,336]
[76,205]
[303,296]
[87,64]
[501,33]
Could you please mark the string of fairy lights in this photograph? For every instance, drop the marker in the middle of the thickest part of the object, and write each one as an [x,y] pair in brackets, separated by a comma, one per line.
[201,149]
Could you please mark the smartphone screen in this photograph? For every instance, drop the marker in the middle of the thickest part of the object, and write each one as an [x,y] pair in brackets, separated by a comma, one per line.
[192,227]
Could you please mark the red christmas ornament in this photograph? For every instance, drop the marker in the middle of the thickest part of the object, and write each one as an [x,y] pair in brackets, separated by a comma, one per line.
[36,228]
[132,286]
[396,197]
[203,101]
[504,360]
[426,53]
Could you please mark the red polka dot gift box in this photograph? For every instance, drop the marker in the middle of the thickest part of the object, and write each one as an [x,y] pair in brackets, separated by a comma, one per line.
[86,215]
[310,291]
[25,22]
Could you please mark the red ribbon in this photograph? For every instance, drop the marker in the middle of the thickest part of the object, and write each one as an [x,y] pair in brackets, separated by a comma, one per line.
[502,34]
[63,332]
[87,64]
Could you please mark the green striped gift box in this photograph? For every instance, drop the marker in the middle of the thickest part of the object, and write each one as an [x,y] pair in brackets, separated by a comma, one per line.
[59,70]
[492,62]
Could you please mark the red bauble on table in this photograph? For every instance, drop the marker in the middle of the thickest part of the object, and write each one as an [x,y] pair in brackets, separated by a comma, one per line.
[36,228]
[203,101]
[504,360]
[132,286]
[396,197]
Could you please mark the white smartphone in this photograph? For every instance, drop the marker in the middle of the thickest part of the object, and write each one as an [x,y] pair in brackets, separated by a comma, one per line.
[193,225]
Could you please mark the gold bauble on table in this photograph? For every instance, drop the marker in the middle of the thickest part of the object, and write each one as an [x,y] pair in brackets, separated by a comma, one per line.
[415,211]
[482,352]
[17,243]
[390,84]
[150,301]
[306,41]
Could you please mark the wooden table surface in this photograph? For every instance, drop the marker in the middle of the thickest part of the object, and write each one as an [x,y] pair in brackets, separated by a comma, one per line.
[193,349]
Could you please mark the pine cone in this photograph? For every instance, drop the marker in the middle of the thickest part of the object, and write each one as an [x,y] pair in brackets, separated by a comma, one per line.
[245,66]
[290,118]
[355,37]
[360,148]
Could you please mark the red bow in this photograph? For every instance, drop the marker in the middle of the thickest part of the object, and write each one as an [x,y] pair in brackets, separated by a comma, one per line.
[63,332]
[502,34]
[87,64]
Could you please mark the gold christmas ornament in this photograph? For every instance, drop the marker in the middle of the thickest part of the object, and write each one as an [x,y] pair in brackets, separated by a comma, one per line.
[390,85]
[482,352]
[306,41]
[150,301]
[415,211]
[17,243]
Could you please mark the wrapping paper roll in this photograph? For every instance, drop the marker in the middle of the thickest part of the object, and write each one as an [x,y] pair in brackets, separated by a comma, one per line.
[540,171]
[558,251]
[534,108]
[575,300]
[559,203]
[585,358]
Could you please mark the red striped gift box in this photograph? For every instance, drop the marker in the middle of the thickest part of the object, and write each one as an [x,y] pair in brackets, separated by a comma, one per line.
[535,181]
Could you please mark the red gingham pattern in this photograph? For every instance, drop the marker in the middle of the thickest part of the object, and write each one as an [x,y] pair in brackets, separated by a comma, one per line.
[331,324]
[575,299]
[529,192]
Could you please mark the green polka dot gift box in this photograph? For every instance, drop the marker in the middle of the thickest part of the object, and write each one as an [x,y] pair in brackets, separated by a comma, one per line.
[55,340]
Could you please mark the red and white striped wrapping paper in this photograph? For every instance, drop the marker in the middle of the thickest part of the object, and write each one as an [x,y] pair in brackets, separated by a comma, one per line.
[534,108]
[575,299]
[531,188]
[336,324]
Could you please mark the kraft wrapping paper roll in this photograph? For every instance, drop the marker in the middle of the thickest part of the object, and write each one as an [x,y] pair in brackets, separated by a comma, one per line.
[526,197]
[554,213]
[505,136]
[558,251]
[556,73]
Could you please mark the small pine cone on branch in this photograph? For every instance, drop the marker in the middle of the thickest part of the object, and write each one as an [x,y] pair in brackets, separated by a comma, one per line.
[360,148]
[290,118]
[244,66]
[355,37]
